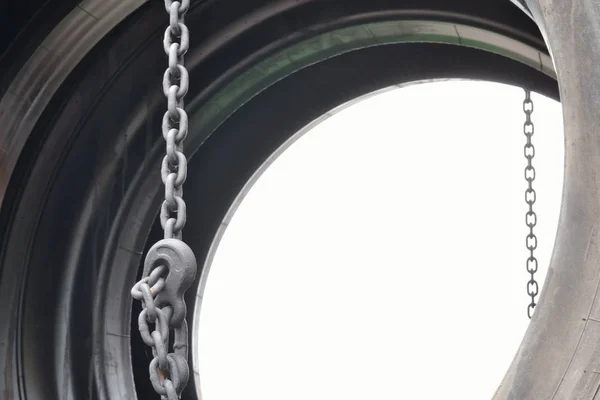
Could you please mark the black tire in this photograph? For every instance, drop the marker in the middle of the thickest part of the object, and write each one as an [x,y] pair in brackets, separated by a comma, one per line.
[81,190]
[559,357]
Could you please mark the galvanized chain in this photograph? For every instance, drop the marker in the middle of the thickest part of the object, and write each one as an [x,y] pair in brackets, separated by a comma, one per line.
[170,265]
[530,197]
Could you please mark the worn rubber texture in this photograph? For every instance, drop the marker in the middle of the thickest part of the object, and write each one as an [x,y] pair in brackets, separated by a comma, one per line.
[80,150]
[560,354]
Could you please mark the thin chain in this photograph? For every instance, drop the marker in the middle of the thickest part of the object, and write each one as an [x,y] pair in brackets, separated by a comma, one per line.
[530,197]
[170,265]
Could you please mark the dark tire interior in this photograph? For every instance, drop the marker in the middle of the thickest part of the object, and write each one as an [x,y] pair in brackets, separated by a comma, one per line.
[80,204]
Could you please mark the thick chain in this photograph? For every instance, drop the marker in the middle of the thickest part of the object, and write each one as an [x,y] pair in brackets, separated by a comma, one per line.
[175,121]
[170,265]
[530,197]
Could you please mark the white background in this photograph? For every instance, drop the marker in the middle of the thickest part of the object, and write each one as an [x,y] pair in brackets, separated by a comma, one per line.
[382,256]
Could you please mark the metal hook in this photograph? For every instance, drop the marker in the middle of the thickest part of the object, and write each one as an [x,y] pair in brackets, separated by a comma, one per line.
[181,265]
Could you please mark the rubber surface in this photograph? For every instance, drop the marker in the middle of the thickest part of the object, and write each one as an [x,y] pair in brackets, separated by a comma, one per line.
[79,144]
[560,354]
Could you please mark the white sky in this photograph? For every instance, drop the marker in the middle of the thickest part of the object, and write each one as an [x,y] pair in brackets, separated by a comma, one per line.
[382,256]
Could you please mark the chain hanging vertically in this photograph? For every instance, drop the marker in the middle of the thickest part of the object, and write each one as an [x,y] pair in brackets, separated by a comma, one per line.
[530,197]
[170,265]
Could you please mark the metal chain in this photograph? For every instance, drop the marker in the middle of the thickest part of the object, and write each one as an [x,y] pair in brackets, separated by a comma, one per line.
[175,121]
[170,265]
[530,197]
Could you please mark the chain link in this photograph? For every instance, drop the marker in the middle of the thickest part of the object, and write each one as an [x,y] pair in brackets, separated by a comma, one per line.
[170,265]
[530,198]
